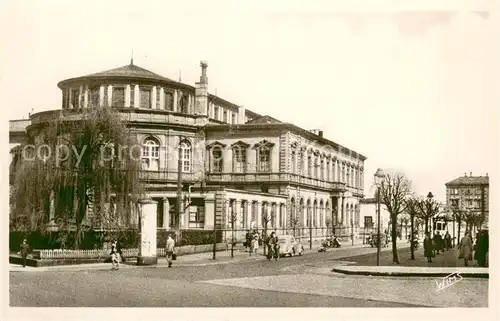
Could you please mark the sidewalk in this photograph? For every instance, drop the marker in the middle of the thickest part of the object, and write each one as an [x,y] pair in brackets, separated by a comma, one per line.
[198,259]
[442,265]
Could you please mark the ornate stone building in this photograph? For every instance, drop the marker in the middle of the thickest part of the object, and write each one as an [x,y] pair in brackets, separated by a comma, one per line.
[235,164]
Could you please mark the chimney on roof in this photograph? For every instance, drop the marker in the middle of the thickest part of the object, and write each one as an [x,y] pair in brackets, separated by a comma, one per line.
[320,133]
[201,92]
[465,174]
[470,174]
[486,174]
[203,78]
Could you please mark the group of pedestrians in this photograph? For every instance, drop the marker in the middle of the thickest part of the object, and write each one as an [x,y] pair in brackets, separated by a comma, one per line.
[252,241]
[466,247]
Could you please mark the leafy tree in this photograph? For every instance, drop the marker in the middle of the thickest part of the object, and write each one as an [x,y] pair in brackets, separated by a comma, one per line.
[72,167]
[394,190]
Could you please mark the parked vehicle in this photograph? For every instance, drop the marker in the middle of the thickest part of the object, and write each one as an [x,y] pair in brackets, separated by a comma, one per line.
[288,245]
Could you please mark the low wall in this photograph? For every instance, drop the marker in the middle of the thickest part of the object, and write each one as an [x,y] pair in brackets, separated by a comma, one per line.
[127,253]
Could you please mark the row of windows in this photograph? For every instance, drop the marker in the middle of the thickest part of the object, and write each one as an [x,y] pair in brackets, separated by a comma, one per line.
[319,169]
[144,98]
[151,155]
[272,215]
[474,203]
[239,158]
[455,191]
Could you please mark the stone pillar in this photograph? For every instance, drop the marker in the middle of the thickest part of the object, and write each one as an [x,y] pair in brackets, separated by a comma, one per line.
[127,96]
[137,96]
[248,221]
[86,97]
[147,246]
[166,213]
[175,101]
[162,99]
[101,96]
[258,218]
[153,99]
[80,95]
[209,213]
[110,95]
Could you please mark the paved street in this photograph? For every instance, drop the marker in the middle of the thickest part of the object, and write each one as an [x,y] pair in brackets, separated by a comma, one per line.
[290,282]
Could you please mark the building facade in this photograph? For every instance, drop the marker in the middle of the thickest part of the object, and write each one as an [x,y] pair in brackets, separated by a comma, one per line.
[469,194]
[238,168]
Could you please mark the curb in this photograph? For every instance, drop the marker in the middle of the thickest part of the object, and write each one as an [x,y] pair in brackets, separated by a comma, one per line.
[410,274]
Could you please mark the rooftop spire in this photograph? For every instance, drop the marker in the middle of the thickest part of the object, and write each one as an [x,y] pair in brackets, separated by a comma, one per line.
[132,58]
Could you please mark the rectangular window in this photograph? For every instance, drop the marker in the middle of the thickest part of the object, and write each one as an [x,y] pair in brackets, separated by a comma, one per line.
[322,170]
[217,161]
[94,97]
[243,214]
[254,212]
[196,216]
[327,178]
[158,95]
[118,97]
[216,112]
[75,96]
[169,101]
[145,98]
[184,105]
[224,118]
[264,160]
[239,159]
[316,168]
[294,162]
[309,166]
[233,118]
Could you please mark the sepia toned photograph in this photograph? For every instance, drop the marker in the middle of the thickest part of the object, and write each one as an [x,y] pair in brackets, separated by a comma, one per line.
[167,154]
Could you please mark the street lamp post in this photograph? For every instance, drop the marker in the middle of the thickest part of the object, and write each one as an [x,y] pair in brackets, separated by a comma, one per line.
[429,200]
[379,177]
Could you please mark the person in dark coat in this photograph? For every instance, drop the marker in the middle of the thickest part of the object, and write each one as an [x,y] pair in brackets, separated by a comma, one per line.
[481,248]
[25,250]
[428,247]
[447,240]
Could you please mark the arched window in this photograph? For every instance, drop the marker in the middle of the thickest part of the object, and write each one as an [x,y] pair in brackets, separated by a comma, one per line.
[239,157]
[321,214]
[309,213]
[186,156]
[151,154]
[282,222]
[315,214]
[216,159]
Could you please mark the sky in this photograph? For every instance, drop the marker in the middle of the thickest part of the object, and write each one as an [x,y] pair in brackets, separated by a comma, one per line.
[411,88]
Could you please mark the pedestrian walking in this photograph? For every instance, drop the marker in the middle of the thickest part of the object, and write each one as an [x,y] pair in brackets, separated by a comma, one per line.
[169,250]
[447,240]
[248,241]
[255,241]
[428,247]
[465,248]
[25,250]
[115,257]
[481,248]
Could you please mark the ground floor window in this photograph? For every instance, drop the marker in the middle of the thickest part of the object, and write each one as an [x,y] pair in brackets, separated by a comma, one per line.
[196,216]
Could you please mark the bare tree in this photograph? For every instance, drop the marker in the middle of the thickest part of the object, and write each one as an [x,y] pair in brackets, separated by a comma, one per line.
[266,218]
[428,209]
[394,190]
[413,210]
[233,217]
[294,224]
[404,220]
[328,223]
[459,217]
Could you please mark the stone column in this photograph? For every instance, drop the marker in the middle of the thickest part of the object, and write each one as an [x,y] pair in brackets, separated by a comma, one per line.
[162,99]
[209,212]
[137,96]
[147,247]
[175,101]
[166,213]
[101,96]
[86,97]
[248,221]
[110,95]
[127,96]
[80,95]
[153,99]
[258,219]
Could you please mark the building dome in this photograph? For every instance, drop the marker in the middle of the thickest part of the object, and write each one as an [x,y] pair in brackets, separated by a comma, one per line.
[130,72]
